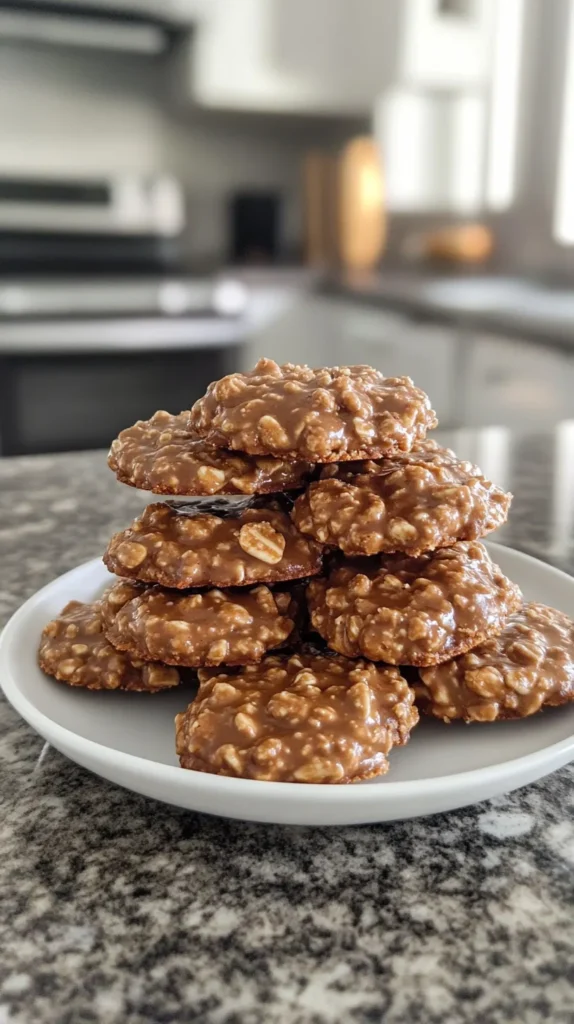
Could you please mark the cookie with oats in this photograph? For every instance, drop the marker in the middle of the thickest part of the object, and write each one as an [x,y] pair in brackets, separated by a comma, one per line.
[413,611]
[330,414]
[411,503]
[181,549]
[211,627]
[165,456]
[306,718]
[74,649]
[528,666]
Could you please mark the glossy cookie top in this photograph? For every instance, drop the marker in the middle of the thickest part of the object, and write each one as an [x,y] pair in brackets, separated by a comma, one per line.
[182,549]
[74,649]
[165,456]
[530,664]
[325,415]
[304,718]
[413,611]
[411,503]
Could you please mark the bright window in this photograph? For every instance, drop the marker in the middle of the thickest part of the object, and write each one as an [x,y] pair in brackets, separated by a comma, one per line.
[504,105]
[455,150]
[564,205]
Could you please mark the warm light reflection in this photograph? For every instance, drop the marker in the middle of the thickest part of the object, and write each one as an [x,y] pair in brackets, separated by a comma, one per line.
[371,188]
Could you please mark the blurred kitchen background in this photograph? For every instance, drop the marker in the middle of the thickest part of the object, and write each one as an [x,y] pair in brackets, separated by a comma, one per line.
[188,184]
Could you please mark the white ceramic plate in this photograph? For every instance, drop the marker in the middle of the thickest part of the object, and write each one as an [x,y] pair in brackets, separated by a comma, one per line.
[129,738]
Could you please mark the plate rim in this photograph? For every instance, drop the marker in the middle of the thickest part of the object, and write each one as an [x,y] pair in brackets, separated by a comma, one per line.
[111,757]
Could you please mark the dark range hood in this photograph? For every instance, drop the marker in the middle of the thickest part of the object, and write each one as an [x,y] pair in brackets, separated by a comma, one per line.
[145,30]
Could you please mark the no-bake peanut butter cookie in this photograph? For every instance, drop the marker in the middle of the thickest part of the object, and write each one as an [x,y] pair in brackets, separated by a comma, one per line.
[413,611]
[74,650]
[215,627]
[304,718]
[165,456]
[528,666]
[411,503]
[193,549]
[295,412]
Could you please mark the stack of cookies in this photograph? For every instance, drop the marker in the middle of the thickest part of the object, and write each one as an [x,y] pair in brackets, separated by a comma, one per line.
[310,544]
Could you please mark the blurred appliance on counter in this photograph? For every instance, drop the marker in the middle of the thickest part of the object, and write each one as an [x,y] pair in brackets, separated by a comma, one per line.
[100,324]
[458,246]
[462,244]
[255,227]
[344,206]
[120,222]
[319,204]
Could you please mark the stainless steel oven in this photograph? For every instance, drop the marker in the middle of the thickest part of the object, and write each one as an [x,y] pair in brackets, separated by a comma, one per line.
[119,222]
[70,401]
[100,321]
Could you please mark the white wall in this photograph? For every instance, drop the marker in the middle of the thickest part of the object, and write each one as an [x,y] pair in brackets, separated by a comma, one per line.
[67,111]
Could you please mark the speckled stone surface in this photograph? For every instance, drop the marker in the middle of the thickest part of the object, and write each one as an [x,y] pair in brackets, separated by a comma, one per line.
[119,910]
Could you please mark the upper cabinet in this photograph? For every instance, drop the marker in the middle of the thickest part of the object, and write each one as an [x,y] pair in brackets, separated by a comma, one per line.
[333,56]
[288,55]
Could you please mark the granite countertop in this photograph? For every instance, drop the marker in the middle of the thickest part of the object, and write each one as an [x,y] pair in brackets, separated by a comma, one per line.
[119,910]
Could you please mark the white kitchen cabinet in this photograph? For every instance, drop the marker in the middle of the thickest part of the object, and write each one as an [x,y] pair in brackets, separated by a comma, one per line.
[334,56]
[515,384]
[318,57]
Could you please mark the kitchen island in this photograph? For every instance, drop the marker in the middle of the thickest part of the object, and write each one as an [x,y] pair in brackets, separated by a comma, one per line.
[117,909]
